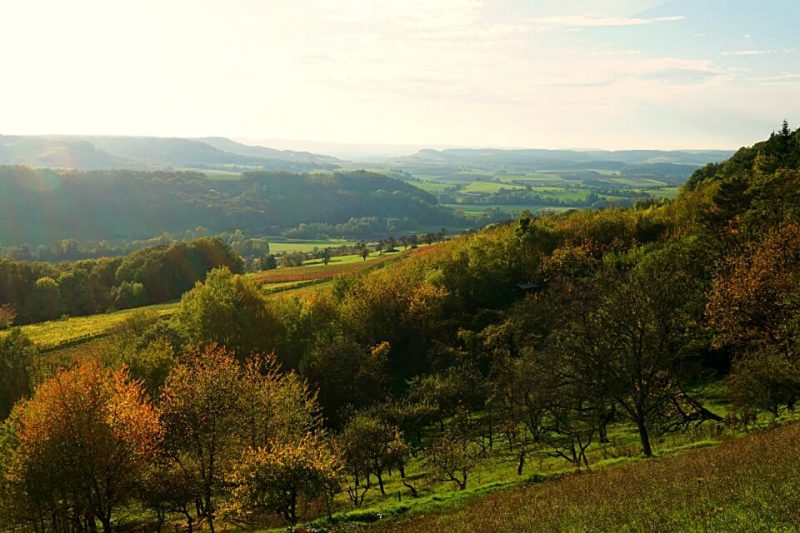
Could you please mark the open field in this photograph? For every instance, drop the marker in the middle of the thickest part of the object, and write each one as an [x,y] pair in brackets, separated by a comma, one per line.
[348,265]
[746,484]
[488,187]
[217,175]
[55,333]
[289,245]
[513,192]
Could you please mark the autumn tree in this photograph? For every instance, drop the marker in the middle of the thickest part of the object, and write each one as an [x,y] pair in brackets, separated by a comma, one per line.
[218,413]
[7,316]
[202,407]
[80,447]
[274,479]
[753,309]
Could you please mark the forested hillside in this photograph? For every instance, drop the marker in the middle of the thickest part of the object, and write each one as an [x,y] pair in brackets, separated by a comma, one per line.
[44,206]
[526,351]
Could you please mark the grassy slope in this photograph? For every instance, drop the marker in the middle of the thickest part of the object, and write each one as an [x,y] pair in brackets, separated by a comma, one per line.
[315,270]
[56,332]
[747,484]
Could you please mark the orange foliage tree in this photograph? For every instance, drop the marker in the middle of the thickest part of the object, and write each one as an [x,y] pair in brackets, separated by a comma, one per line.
[217,413]
[754,308]
[76,450]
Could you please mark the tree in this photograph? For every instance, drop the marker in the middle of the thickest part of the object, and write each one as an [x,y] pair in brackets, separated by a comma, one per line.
[371,447]
[346,374]
[273,479]
[228,310]
[7,316]
[753,309]
[81,445]
[202,405]
[453,454]
[632,342]
[45,303]
[17,354]
[218,413]
[128,295]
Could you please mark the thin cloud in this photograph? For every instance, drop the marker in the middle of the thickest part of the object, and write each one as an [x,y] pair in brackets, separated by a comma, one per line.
[748,53]
[574,22]
[780,78]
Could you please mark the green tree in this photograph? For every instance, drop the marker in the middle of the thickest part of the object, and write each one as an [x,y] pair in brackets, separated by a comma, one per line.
[230,311]
[17,354]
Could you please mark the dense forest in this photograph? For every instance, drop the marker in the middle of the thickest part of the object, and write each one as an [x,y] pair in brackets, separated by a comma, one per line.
[45,206]
[545,333]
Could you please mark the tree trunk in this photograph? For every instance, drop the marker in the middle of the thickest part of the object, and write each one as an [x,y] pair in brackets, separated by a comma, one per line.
[293,507]
[644,437]
[521,463]
[379,475]
[209,510]
[603,430]
[411,488]
[106,522]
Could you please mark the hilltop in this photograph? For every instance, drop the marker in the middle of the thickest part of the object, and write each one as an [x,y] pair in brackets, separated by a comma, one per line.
[105,152]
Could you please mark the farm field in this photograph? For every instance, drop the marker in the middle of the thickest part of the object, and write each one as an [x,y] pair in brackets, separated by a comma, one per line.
[288,245]
[217,175]
[473,192]
[317,271]
[54,333]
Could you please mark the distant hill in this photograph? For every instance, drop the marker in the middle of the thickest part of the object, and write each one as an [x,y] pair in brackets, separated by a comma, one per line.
[103,152]
[233,147]
[533,160]
[55,153]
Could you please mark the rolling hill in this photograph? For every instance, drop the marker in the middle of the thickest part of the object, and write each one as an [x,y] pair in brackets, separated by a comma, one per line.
[102,152]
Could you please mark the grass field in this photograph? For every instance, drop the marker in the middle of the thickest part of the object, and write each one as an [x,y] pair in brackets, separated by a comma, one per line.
[347,265]
[744,484]
[217,175]
[488,187]
[512,210]
[289,245]
[48,335]
[533,178]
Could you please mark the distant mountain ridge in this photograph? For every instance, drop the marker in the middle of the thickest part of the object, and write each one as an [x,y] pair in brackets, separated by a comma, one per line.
[533,159]
[104,152]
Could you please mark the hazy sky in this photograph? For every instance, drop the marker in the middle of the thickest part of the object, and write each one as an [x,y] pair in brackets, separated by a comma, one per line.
[517,73]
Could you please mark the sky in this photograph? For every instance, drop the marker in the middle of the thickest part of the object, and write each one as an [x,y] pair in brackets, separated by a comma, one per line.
[610,74]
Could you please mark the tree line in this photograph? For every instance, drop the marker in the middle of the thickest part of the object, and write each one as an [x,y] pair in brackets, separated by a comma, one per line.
[37,291]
